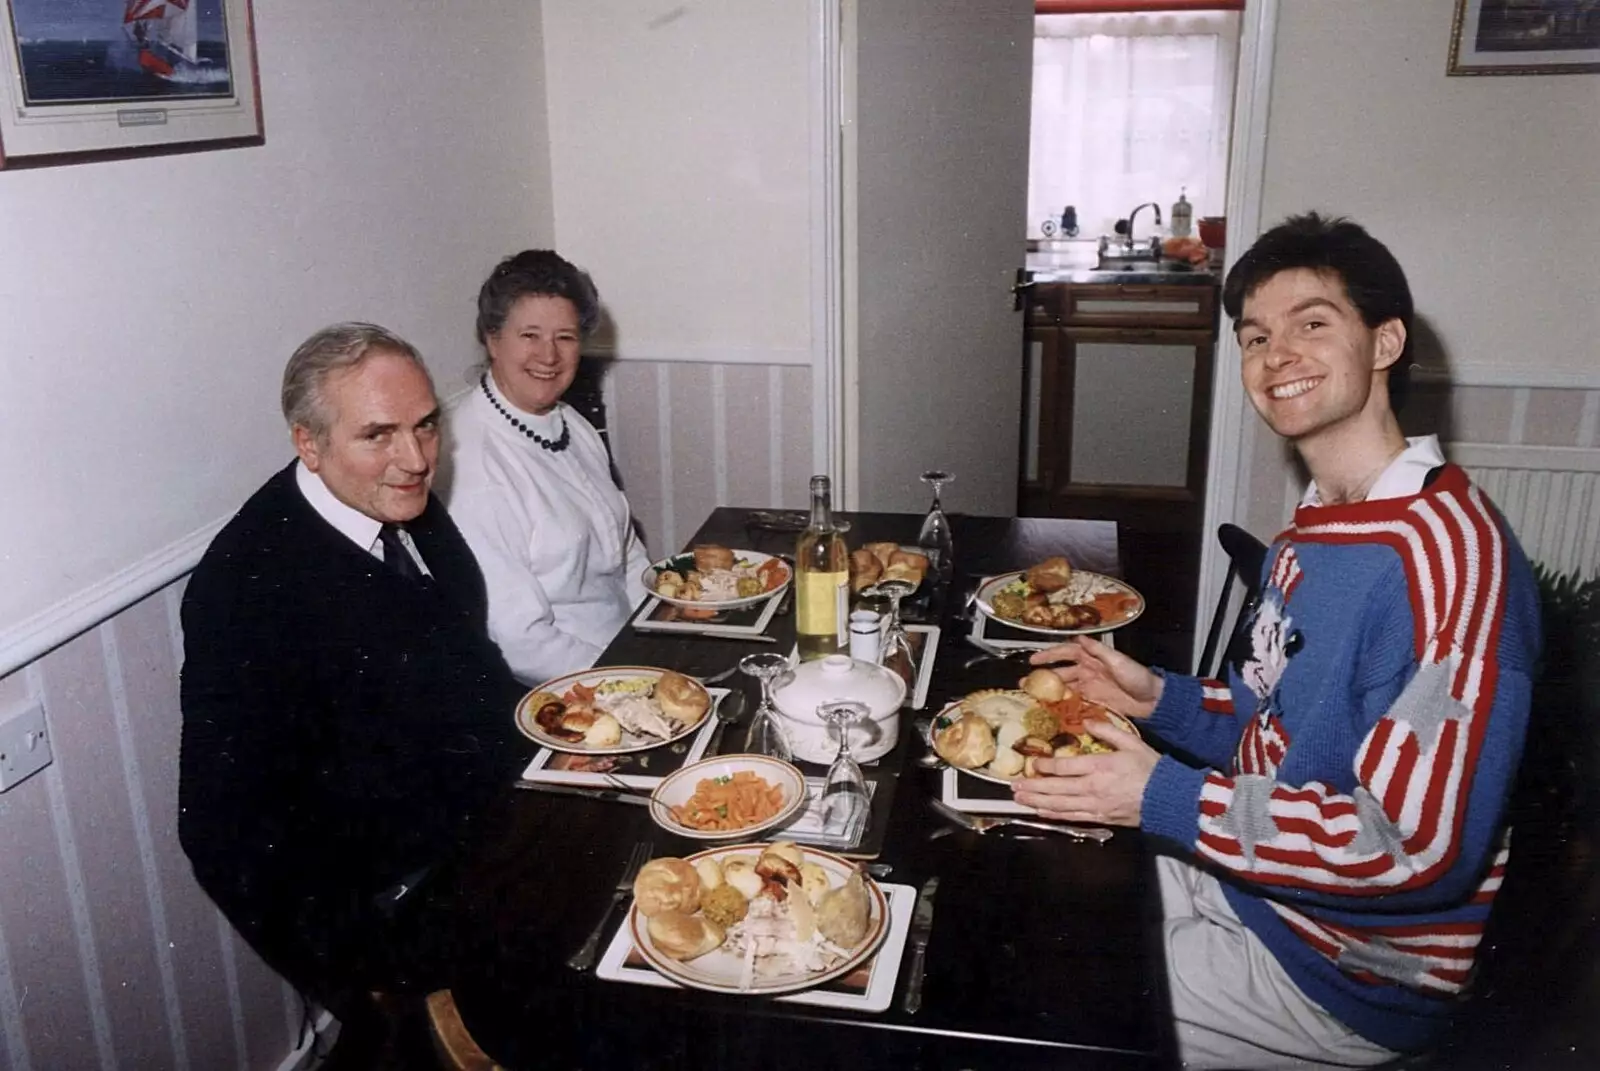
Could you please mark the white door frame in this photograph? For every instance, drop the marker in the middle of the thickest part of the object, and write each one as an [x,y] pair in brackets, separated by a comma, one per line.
[1233,424]
[832,399]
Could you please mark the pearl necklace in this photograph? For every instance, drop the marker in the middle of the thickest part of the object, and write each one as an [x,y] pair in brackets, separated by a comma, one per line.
[555,446]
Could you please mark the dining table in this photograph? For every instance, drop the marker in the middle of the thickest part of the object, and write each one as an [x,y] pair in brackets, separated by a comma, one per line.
[1044,951]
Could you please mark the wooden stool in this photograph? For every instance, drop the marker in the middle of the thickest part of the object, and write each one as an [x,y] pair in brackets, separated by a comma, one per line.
[454,1046]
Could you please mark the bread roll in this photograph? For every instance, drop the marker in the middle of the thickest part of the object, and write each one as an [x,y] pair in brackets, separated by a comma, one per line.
[666,885]
[882,551]
[966,743]
[1044,686]
[1051,574]
[910,558]
[741,874]
[710,556]
[683,936]
[710,872]
[788,849]
[864,569]
[681,699]
[901,571]
[605,731]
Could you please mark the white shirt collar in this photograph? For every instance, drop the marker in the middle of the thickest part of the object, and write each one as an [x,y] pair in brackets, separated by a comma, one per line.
[355,525]
[1402,477]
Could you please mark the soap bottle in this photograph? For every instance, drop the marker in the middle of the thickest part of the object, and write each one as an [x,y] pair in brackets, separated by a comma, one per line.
[1182,213]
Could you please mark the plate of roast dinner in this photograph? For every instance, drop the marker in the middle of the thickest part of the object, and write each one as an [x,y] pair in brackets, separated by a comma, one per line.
[997,733]
[613,710]
[756,918]
[710,578]
[1057,600]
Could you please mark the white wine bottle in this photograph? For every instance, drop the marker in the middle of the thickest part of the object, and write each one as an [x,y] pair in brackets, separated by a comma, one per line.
[821,580]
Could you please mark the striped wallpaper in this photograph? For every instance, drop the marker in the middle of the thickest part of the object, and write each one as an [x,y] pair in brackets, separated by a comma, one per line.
[110,955]
[690,437]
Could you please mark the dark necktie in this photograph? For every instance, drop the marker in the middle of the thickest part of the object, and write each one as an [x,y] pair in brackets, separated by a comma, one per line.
[396,556]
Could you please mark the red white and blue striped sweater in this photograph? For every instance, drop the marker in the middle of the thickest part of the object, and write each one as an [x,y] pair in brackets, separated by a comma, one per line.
[1362,756]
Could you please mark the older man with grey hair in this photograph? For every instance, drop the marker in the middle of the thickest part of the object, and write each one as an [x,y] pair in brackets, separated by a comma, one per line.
[346,717]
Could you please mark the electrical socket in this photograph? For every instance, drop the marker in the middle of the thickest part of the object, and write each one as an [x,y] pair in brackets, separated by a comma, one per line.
[24,744]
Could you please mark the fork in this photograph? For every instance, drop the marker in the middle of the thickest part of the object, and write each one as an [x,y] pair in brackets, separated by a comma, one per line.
[980,824]
[583,958]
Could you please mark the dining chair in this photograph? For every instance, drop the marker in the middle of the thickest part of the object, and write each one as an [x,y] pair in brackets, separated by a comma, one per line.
[451,1041]
[1246,555]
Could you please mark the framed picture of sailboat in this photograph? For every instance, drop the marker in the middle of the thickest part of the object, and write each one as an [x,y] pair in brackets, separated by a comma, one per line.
[100,79]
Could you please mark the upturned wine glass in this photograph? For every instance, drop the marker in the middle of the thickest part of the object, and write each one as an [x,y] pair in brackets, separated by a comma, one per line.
[935,539]
[845,801]
[766,735]
[895,642]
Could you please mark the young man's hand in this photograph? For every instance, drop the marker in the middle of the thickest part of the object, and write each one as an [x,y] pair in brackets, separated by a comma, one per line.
[1105,676]
[1106,789]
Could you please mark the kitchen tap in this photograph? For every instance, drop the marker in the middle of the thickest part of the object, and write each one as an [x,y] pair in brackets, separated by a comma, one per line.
[1150,205]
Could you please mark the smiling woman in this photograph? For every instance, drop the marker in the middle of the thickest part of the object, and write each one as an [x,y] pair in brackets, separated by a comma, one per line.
[531,484]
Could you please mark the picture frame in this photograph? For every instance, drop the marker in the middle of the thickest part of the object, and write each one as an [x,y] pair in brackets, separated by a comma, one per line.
[111,79]
[1502,37]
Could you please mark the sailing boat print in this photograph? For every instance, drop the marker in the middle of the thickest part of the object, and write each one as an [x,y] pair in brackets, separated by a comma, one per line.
[165,34]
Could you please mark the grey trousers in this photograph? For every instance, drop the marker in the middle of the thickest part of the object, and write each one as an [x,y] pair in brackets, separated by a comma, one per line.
[1235,1006]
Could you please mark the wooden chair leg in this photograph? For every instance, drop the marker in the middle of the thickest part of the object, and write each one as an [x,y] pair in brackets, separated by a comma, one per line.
[455,1048]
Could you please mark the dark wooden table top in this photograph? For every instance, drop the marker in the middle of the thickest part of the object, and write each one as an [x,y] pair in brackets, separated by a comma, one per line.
[1045,951]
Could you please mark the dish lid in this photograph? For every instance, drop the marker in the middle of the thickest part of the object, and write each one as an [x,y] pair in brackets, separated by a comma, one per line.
[826,680]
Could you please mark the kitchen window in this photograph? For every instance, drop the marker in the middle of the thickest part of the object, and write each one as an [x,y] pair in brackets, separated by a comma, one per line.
[1129,108]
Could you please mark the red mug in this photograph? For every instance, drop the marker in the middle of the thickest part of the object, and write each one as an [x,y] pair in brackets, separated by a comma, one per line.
[1213,231]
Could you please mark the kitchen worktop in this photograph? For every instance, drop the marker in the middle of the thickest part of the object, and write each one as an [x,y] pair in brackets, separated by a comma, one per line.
[1074,267]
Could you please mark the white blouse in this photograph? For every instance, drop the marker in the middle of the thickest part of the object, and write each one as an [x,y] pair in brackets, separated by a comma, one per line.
[551,532]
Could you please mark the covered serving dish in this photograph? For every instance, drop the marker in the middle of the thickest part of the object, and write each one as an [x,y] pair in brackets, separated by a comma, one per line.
[828,680]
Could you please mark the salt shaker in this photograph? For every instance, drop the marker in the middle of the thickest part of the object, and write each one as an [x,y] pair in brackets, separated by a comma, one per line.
[866,631]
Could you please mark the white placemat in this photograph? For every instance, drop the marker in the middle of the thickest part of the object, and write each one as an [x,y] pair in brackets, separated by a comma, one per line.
[961,792]
[643,621]
[875,995]
[980,620]
[808,827]
[539,768]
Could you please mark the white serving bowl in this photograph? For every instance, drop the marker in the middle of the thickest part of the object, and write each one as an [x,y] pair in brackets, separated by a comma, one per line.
[677,787]
[829,680]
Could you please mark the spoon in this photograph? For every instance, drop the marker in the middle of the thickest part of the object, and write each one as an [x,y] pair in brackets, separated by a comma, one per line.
[730,710]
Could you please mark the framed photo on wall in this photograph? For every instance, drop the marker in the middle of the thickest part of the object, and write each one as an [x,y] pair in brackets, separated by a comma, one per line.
[1525,37]
[101,79]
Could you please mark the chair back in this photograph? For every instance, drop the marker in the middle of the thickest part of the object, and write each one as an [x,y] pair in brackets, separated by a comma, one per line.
[453,1045]
[1246,557]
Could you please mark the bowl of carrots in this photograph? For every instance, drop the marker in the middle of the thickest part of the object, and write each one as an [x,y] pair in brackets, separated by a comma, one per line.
[728,796]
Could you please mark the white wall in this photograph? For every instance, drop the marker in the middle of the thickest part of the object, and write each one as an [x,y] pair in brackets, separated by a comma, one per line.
[1484,187]
[147,306]
[680,160]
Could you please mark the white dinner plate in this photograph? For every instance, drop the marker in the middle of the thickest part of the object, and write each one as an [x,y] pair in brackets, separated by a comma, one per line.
[591,678]
[992,586]
[720,971]
[682,563]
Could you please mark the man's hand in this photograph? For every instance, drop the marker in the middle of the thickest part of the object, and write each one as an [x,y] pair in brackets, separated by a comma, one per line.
[1105,676]
[1103,789]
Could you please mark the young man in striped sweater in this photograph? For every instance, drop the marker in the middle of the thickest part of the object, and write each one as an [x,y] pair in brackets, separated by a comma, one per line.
[1337,857]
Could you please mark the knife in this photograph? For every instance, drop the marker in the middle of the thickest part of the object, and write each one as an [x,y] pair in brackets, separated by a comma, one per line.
[605,795]
[921,929]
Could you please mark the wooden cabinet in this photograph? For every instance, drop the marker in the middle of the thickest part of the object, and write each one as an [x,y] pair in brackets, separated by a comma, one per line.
[1117,402]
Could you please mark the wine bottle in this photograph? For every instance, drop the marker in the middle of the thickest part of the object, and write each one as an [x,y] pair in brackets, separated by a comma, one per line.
[821,581]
